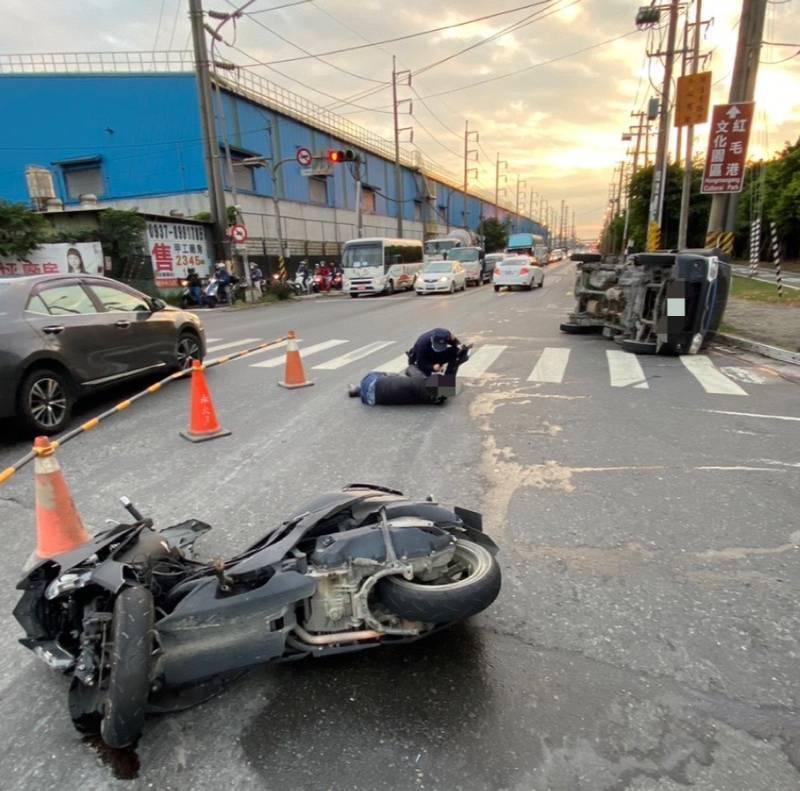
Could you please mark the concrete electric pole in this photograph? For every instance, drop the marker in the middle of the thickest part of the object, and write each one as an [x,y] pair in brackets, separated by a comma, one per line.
[655,216]
[398,170]
[497,179]
[216,193]
[468,152]
[722,218]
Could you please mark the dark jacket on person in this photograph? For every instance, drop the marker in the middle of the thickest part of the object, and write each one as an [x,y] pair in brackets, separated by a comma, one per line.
[423,356]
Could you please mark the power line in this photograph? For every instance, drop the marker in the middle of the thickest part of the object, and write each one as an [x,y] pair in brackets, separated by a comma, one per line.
[524,22]
[309,54]
[276,7]
[782,60]
[407,36]
[158,26]
[336,99]
[174,23]
[531,68]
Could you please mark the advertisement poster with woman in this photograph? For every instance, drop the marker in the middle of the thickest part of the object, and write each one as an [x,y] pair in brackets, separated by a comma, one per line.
[81,258]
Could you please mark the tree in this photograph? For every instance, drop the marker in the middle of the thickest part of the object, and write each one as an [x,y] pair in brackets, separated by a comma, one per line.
[699,207]
[494,233]
[21,230]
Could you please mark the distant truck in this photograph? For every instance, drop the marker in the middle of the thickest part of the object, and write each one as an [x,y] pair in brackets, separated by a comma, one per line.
[437,249]
[528,244]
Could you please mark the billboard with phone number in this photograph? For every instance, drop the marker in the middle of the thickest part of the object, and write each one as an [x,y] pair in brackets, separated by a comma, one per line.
[175,248]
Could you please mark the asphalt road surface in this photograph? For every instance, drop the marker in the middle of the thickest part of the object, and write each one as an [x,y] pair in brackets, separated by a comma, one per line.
[646,636]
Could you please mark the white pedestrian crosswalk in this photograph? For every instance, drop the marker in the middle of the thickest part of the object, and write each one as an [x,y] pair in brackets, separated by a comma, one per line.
[351,357]
[551,364]
[710,377]
[625,370]
[275,362]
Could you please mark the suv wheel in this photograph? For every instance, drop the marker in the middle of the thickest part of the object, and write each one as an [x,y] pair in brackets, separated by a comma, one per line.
[45,400]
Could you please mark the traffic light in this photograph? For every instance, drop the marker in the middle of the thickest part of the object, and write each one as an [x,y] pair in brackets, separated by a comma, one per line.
[647,16]
[336,156]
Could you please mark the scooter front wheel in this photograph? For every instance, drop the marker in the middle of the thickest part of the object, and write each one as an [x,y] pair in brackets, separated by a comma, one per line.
[469,584]
[129,669]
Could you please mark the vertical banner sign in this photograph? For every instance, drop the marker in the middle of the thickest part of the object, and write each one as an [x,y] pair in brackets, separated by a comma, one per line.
[174,248]
[726,154]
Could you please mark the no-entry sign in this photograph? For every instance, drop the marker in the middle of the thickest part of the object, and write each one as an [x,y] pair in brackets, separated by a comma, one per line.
[238,234]
[726,154]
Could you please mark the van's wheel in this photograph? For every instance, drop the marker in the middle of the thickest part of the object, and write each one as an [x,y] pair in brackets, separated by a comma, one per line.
[129,670]
[470,584]
[496,289]
[389,288]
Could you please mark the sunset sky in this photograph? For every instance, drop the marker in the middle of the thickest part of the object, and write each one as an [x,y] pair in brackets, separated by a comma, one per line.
[558,125]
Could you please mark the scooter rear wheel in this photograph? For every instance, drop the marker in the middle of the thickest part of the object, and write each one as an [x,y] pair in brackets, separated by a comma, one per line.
[129,671]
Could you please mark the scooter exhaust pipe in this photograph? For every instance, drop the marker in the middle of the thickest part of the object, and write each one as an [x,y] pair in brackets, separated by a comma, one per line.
[336,637]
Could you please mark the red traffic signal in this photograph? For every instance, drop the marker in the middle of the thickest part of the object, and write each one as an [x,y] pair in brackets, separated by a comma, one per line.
[335,156]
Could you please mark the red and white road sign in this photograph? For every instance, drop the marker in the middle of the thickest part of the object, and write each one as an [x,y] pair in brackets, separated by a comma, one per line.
[726,154]
[304,157]
[238,233]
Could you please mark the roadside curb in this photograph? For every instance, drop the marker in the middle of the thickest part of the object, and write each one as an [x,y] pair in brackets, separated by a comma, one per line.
[764,349]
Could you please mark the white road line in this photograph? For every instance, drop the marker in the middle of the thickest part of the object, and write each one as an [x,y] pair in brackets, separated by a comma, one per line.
[711,379]
[625,370]
[551,365]
[394,366]
[752,414]
[480,361]
[230,345]
[274,362]
[350,357]
[213,340]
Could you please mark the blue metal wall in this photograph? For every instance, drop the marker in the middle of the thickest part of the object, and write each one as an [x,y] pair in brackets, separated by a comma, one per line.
[143,127]
[147,133]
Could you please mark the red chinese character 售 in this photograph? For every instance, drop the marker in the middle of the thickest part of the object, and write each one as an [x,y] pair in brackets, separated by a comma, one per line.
[162,256]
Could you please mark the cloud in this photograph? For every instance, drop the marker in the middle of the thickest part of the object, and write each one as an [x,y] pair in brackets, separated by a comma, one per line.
[558,125]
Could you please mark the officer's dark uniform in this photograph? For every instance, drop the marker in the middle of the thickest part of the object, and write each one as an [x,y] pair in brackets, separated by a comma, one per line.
[435,347]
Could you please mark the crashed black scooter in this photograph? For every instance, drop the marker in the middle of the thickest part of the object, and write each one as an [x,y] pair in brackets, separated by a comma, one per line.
[134,619]
[666,302]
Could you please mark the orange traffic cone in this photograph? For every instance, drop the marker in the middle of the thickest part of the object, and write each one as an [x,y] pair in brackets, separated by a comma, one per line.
[294,376]
[203,422]
[58,526]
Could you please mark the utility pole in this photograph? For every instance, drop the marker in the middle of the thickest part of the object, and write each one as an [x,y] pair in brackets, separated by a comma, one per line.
[655,217]
[743,84]
[398,171]
[504,163]
[216,193]
[686,191]
[522,183]
[468,138]
[574,234]
[561,225]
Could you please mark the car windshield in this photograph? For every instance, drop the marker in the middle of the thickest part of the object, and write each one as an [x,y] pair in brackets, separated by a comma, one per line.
[435,246]
[357,256]
[465,255]
[438,267]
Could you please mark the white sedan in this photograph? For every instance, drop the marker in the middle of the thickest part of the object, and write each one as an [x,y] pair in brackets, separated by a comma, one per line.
[519,271]
[441,277]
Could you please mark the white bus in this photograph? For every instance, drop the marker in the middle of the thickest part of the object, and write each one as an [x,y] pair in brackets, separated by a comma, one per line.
[380,266]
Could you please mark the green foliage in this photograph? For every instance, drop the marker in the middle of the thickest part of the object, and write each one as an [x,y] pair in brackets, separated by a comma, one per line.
[611,240]
[780,178]
[494,233]
[122,233]
[202,216]
[21,230]
[699,207]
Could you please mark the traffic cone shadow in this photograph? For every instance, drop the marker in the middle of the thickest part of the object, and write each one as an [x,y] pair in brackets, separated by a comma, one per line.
[203,423]
[293,376]
[59,528]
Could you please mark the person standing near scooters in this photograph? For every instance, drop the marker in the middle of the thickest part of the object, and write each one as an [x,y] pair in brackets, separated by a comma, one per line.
[223,284]
[194,285]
